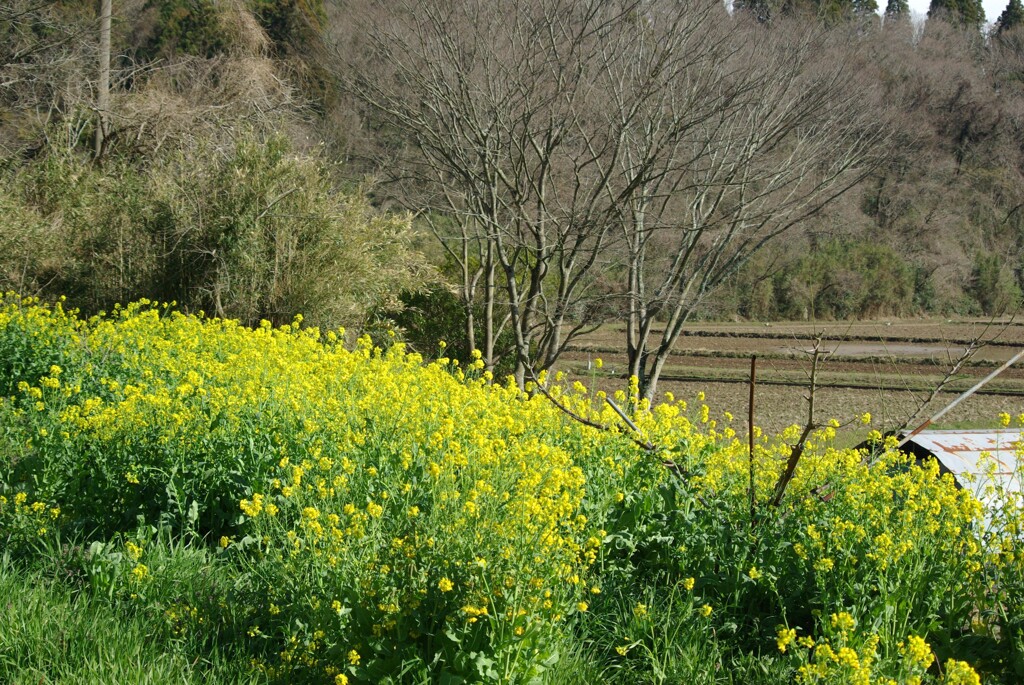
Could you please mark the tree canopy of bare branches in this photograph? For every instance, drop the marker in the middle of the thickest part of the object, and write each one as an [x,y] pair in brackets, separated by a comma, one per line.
[787,128]
[567,153]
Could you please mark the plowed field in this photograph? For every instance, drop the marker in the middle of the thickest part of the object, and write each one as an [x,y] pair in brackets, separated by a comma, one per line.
[887,368]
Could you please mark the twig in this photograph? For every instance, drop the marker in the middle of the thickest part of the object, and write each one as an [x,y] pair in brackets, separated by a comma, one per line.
[585,421]
[646,445]
[629,421]
[801,444]
[961,398]
[967,355]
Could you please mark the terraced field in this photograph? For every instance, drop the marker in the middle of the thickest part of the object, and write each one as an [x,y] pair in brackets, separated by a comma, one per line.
[887,368]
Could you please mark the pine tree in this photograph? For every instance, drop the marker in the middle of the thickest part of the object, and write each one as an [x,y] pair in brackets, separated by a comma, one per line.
[897,9]
[1012,17]
[963,12]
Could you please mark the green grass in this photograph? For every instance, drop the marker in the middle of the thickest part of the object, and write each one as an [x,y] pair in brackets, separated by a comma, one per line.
[51,633]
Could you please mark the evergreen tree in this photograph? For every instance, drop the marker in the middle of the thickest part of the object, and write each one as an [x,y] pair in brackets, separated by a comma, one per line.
[963,12]
[760,9]
[1012,17]
[829,11]
[864,8]
[897,9]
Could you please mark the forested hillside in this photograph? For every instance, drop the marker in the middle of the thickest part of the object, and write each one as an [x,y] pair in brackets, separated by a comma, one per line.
[263,157]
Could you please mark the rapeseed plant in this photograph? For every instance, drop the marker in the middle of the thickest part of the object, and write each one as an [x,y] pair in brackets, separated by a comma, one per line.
[378,515]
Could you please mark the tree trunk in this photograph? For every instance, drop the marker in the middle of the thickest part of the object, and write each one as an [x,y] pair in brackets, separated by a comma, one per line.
[489,290]
[103,86]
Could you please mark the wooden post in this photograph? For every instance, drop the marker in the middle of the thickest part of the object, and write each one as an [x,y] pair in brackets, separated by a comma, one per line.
[750,435]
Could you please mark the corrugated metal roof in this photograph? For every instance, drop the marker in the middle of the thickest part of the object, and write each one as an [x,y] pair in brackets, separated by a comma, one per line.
[960,453]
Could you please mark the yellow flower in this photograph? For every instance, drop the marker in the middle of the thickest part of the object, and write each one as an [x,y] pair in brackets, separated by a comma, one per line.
[640,610]
[1004,419]
[848,657]
[754,573]
[706,610]
[960,673]
[445,585]
[688,584]
[842,621]
[224,541]
[824,565]
[918,651]
[353,657]
[252,507]
[582,606]
[341,679]
[784,637]
[866,418]
[140,572]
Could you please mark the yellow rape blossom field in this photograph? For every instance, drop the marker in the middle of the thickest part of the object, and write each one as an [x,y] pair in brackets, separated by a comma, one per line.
[276,505]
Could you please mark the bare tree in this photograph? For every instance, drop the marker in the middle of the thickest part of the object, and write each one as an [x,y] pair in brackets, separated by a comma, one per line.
[553,142]
[790,128]
[42,46]
[494,99]
[515,149]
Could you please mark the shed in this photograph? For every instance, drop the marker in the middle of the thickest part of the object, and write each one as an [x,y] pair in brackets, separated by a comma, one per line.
[959,452]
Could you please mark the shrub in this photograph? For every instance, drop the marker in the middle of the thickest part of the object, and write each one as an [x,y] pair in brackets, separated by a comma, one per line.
[189,27]
[252,233]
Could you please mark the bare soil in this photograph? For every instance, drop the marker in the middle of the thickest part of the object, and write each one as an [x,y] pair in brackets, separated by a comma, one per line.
[886,368]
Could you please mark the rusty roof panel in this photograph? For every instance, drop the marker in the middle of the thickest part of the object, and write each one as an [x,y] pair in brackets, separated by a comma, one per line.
[961,452]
